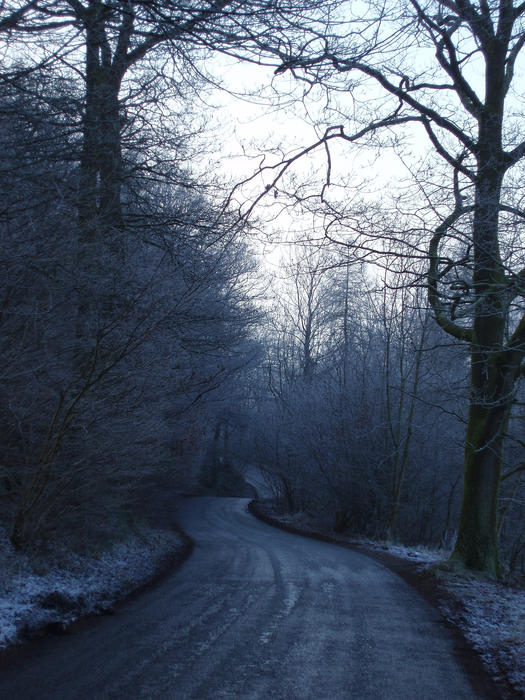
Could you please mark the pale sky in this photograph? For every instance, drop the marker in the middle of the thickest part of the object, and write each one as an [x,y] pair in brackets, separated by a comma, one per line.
[245,127]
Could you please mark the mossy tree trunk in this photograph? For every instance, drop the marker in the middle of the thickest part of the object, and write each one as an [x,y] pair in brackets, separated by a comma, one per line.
[477,542]
[496,354]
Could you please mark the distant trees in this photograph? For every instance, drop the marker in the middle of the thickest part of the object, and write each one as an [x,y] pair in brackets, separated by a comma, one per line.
[446,70]
[303,313]
[112,246]
[357,442]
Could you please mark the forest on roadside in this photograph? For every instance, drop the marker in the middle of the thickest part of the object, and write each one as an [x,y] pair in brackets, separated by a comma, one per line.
[374,377]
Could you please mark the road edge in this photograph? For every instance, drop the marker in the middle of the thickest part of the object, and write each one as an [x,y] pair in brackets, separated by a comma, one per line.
[426,585]
[166,565]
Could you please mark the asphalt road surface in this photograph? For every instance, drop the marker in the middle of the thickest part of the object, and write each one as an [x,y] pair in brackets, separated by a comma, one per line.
[254,613]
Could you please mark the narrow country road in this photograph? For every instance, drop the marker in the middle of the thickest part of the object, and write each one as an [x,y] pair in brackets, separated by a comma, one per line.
[254,613]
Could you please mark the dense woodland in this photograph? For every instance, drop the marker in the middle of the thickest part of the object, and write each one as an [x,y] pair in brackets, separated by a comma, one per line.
[375,379]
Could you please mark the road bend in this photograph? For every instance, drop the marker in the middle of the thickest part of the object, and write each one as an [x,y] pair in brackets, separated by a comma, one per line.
[255,612]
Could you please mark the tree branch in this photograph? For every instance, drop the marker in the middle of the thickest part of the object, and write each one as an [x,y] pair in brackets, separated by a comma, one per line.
[446,323]
[512,472]
[403,95]
[467,95]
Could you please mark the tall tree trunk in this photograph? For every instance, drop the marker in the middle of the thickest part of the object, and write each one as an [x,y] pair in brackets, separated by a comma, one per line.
[100,181]
[492,383]
[110,156]
[494,366]
[477,542]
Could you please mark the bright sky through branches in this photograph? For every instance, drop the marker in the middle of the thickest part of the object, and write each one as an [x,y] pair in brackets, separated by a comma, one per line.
[260,119]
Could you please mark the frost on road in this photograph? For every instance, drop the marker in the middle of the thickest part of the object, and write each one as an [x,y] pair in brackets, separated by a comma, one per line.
[254,613]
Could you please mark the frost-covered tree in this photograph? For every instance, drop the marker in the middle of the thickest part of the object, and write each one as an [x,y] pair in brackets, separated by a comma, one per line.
[450,71]
[169,324]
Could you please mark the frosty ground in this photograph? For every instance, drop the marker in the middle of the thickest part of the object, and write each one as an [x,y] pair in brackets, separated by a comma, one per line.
[40,592]
[490,615]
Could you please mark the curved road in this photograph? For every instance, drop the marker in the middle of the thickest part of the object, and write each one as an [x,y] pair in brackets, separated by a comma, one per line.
[254,613]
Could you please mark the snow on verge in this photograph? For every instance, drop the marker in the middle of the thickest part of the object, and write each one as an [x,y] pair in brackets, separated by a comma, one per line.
[492,617]
[52,592]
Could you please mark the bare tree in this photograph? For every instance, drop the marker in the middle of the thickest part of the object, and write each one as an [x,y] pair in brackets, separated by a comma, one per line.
[449,70]
[171,326]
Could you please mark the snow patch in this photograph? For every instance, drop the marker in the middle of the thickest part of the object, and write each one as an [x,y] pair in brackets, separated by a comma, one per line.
[55,590]
[492,618]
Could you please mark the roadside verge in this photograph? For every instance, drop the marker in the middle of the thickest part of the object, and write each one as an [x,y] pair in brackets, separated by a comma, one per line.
[50,593]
